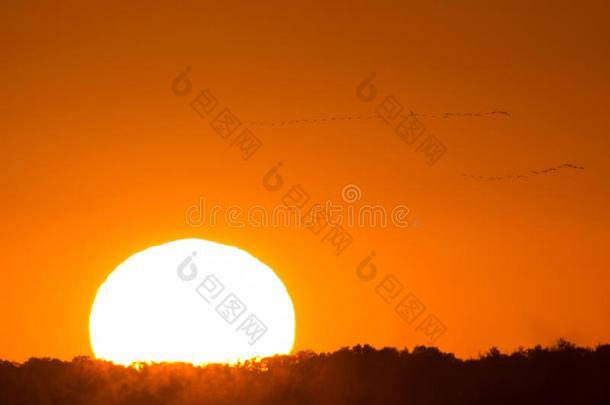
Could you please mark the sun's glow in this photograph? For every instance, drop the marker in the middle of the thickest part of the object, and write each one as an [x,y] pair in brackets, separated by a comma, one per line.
[192,301]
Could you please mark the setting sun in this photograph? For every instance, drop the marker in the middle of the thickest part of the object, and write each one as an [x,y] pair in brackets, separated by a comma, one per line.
[192,301]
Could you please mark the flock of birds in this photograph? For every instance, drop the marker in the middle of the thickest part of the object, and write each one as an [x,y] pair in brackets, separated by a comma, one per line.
[441,115]
[375,116]
[523,176]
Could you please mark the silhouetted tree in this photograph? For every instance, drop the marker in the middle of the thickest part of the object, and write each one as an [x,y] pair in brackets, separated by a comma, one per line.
[562,374]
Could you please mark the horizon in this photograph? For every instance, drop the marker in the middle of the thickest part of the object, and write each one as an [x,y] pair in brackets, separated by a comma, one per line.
[562,374]
[559,346]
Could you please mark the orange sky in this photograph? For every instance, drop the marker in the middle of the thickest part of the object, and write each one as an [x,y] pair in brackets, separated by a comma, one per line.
[100,160]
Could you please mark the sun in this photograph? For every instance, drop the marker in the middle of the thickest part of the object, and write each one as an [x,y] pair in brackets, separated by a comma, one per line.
[194,301]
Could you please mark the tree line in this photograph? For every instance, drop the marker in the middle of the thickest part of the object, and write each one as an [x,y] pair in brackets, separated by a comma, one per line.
[561,374]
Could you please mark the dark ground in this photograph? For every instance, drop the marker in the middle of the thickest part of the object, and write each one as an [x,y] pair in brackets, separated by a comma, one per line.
[563,374]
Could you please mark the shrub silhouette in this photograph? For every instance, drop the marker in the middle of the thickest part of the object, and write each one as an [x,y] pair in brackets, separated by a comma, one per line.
[563,374]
